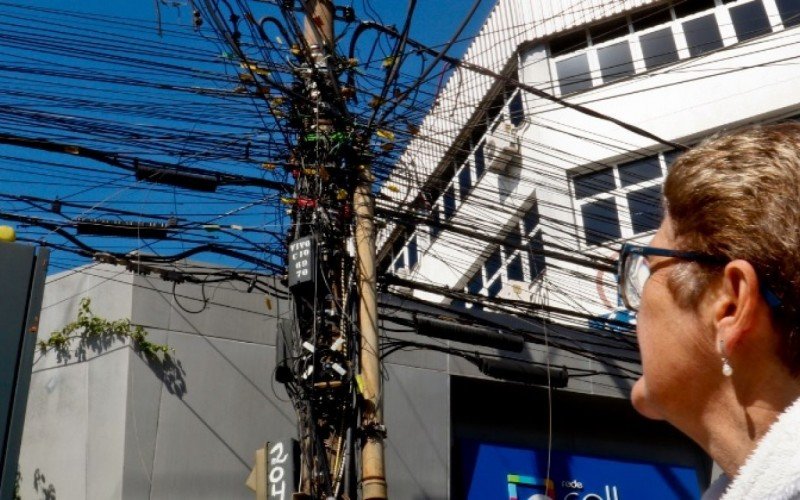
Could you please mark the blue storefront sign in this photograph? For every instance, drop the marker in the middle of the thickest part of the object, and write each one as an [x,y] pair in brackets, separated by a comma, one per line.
[496,471]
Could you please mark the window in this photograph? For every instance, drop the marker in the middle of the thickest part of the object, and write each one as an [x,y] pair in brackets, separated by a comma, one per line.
[514,268]
[568,43]
[615,61]
[645,207]
[594,183]
[494,288]
[600,221]
[658,48]
[650,18]
[536,260]
[480,160]
[636,171]
[436,222]
[493,263]
[516,113]
[608,30]
[750,20]
[412,251]
[702,35]
[475,284]
[573,74]
[464,181]
[449,202]
[670,157]
[622,200]
[790,12]
[603,53]
[507,262]
[685,8]
[531,219]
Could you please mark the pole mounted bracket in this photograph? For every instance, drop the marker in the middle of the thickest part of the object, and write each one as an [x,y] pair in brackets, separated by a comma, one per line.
[373,430]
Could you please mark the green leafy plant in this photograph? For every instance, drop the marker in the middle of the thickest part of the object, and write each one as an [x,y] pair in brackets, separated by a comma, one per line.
[93,330]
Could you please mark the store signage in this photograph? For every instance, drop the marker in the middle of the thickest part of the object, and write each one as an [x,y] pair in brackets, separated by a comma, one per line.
[502,471]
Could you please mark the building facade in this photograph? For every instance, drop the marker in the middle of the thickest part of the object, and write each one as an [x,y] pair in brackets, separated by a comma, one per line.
[526,179]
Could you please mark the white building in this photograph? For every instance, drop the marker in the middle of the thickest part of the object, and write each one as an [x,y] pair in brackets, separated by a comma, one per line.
[541,176]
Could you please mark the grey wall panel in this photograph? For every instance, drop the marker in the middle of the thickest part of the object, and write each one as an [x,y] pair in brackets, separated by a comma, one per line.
[417,416]
[141,420]
[107,399]
[208,435]
[54,450]
[151,302]
[231,314]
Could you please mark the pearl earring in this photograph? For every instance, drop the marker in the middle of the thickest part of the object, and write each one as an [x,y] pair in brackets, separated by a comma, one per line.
[727,370]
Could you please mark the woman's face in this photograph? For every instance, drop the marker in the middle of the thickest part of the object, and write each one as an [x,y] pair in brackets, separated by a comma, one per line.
[677,355]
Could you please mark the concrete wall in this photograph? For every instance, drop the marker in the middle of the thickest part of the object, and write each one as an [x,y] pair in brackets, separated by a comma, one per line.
[109,424]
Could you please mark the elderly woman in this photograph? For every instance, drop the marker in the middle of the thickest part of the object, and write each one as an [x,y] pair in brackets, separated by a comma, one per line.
[718,300]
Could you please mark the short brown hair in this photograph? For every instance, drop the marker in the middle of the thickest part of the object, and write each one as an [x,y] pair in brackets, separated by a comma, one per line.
[738,196]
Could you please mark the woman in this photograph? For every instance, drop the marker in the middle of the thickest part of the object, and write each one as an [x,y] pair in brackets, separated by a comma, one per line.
[717,294]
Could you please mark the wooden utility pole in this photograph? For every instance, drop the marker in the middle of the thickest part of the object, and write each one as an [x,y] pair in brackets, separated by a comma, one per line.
[373,477]
[319,36]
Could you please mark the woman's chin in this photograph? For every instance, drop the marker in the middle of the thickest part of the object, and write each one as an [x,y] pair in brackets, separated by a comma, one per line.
[642,401]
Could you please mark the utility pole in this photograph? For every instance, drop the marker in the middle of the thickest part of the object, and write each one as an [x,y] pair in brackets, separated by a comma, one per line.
[333,361]
[373,477]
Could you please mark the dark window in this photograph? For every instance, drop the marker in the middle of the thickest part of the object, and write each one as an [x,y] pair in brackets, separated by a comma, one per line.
[516,113]
[493,263]
[568,43]
[400,262]
[495,287]
[645,207]
[688,7]
[670,157]
[702,35]
[649,18]
[658,48]
[531,218]
[514,268]
[790,12]
[536,259]
[596,182]
[573,74]
[615,61]
[449,202]
[609,30]
[413,252]
[494,108]
[637,171]
[514,239]
[475,285]
[600,221]
[436,222]
[750,20]
[480,161]
[464,182]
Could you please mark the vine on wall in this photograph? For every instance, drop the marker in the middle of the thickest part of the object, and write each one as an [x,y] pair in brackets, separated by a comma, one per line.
[89,328]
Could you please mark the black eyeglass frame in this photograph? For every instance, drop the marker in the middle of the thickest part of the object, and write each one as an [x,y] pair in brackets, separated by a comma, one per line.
[629,249]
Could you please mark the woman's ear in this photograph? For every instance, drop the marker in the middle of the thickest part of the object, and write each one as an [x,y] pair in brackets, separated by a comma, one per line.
[737,304]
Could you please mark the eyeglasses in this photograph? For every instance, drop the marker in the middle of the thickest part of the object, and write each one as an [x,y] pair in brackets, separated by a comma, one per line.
[634,271]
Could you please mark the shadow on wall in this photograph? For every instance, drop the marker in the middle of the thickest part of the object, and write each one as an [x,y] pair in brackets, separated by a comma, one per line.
[39,481]
[165,366]
[169,371]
